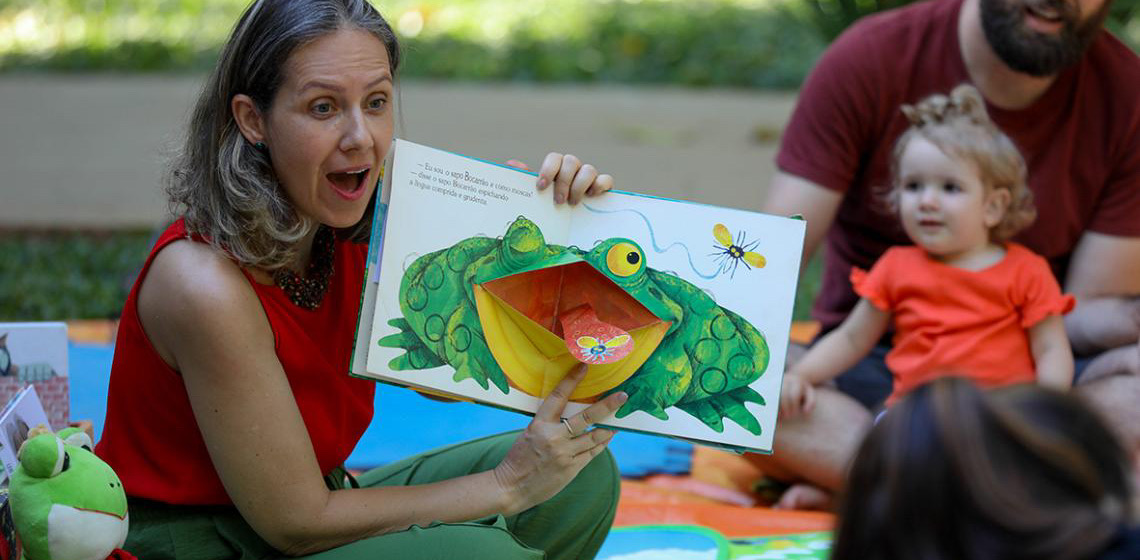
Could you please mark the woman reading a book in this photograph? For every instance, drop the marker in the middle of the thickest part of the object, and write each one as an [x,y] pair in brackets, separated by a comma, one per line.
[231,410]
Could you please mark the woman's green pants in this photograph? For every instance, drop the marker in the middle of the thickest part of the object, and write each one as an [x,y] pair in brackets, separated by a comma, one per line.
[571,525]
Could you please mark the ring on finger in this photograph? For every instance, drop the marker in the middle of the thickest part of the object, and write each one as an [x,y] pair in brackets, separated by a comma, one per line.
[566,422]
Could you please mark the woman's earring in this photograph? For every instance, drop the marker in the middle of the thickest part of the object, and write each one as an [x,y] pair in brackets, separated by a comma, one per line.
[260,146]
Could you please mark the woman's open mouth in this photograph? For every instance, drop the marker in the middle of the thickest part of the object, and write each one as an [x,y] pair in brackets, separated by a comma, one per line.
[349,184]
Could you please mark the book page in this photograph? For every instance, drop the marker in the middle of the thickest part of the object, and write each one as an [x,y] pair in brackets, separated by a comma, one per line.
[366,315]
[445,210]
[489,292]
[704,260]
[22,414]
[37,353]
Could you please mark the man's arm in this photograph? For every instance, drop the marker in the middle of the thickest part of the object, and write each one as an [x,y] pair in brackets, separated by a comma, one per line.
[1104,275]
[1104,265]
[789,194]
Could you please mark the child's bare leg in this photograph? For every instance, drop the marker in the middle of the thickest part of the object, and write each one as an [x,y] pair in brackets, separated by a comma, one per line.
[805,496]
[1115,398]
[817,448]
[1100,324]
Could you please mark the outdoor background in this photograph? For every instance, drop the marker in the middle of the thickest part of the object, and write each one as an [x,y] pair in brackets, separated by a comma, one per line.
[676,98]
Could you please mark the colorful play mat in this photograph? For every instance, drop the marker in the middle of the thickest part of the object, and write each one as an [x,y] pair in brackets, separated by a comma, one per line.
[679,502]
[689,542]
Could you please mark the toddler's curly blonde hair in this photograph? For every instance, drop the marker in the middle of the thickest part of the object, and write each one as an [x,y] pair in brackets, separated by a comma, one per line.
[959,126]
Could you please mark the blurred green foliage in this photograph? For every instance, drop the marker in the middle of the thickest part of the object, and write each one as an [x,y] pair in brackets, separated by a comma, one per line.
[831,17]
[133,35]
[808,287]
[68,275]
[651,41]
[697,42]
[767,43]
[1124,20]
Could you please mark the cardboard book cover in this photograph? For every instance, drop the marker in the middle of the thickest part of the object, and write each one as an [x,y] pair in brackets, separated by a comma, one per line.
[480,288]
[35,354]
[19,417]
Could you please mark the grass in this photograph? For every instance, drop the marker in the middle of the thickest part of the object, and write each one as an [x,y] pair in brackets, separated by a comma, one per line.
[54,276]
[80,275]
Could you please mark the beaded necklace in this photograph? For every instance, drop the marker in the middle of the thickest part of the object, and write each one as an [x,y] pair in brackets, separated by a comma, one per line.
[307,292]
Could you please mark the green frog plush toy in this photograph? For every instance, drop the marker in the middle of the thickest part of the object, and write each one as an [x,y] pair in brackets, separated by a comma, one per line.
[67,504]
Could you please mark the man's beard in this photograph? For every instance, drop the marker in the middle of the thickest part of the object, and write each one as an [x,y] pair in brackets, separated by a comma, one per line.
[1030,52]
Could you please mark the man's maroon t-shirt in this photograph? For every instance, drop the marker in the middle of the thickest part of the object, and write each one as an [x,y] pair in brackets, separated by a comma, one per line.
[1081,139]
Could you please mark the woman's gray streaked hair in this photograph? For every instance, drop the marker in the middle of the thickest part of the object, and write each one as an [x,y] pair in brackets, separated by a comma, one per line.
[224,186]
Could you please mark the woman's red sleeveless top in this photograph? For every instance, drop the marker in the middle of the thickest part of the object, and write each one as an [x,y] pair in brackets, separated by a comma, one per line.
[151,438]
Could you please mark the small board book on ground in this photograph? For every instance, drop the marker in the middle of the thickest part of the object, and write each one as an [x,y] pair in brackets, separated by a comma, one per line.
[480,288]
[36,353]
[19,416]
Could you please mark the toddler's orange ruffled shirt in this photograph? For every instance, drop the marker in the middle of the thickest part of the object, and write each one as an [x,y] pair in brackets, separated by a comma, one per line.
[950,320]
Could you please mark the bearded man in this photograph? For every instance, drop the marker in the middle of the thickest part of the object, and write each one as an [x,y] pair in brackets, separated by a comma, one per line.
[1066,91]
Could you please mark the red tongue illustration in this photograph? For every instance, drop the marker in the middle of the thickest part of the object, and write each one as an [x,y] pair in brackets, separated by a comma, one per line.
[591,340]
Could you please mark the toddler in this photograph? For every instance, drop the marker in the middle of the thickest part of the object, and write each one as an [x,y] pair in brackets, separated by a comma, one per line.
[964,298]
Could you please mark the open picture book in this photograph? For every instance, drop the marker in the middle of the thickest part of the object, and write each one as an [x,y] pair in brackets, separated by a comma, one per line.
[479,288]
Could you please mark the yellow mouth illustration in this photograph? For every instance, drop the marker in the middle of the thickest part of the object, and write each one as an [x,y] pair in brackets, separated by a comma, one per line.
[520,318]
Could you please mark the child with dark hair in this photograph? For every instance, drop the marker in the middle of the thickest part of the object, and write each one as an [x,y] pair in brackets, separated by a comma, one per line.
[953,472]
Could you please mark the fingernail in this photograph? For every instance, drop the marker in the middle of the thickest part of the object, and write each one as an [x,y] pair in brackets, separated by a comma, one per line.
[559,199]
[622,397]
[541,183]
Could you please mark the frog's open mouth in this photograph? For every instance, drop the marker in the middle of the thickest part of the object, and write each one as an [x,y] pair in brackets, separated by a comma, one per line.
[520,317]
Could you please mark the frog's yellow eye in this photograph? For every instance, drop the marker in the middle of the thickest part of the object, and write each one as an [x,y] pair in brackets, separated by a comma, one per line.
[624,259]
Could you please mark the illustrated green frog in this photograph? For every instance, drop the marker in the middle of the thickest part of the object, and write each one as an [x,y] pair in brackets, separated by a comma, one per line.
[469,304]
[67,504]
